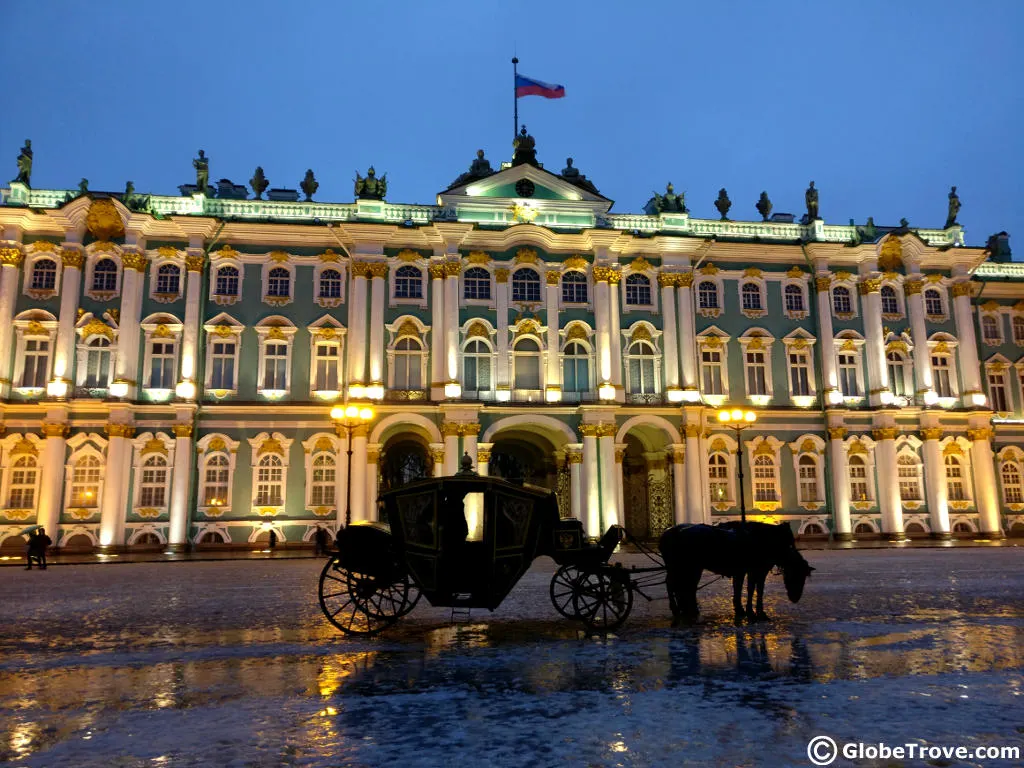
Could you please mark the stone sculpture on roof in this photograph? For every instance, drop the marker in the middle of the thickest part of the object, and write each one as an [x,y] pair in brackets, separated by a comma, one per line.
[370,187]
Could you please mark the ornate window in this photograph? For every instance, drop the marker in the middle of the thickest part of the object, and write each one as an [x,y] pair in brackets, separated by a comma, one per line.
[526,361]
[751,297]
[756,362]
[223,358]
[477,368]
[942,375]
[794,299]
[897,368]
[575,368]
[1013,491]
[718,478]
[326,365]
[638,291]
[476,284]
[217,455]
[21,488]
[849,374]
[713,372]
[807,479]
[956,489]
[934,306]
[275,366]
[104,276]
[97,352]
[269,481]
[991,332]
[85,482]
[997,389]
[641,368]
[408,361]
[36,358]
[153,485]
[1018,330]
[168,280]
[707,295]
[890,302]
[330,284]
[274,375]
[842,301]
[36,330]
[908,472]
[408,283]
[574,288]
[44,275]
[323,480]
[226,283]
[526,285]
[765,479]
[163,356]
[857,469]
[279,281]
[216,480]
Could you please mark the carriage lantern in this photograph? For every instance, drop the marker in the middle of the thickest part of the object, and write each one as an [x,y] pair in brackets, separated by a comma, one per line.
[737,420]
[348,418]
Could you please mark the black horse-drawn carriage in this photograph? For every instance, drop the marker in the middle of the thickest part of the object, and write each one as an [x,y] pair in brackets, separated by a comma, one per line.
[380,571]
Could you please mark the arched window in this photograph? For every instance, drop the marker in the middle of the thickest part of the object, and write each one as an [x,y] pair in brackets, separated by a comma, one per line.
[153,489]
[279,282]
[640,369]
[841,302]
[897,373]
[858,473]
[211,537]
[476,283]
[526,285]
[1012,491]
[408,364]
[890,306]
[269,481]
[323,481]
[104,275]
[990,329]
[330,284]
[1018,331]
[21,494]
[955,489]
[707,294]
[574,288]
[962,527]
[97,362]
[227,282]
[85,482]
[863,528]
[794,296]
[751,293]
[718,478]
[813,529]
[638,291]
[476,366]
[575,368]
[44,275]
[933,303]
[408,283]
[764,479]
[807,466]
[908,470]
[168,279]
[215,480]
[526,359]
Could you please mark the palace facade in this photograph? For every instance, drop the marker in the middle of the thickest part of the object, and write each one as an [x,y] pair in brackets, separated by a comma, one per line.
[168,364]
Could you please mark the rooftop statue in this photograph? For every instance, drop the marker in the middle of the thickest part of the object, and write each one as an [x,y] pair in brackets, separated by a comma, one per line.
[83,186]
[479,169]
[370,187]
[723,204]
[25,164]
[811,198]
[764,206]
[524,147]
[259,182]
[129,190]
[954,208]
[572,174]
[309,185]
[569,172]
[670,202]
[202,166]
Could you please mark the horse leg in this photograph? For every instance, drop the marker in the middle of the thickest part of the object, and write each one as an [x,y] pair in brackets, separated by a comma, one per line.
[751,585]
[737,595]
[761,615]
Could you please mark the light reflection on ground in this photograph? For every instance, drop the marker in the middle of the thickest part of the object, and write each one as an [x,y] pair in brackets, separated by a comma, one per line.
[232,663]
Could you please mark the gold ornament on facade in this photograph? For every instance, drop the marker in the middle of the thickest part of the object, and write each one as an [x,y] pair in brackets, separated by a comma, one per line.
[577,331]
[941,348]
[822,284]
[843,276]
[931,433]
[667,279]
[552,276]
[997,366]
[323,443]
[607,429]
[857,447]
[897,346]
[96,327]
[43,245]
[147,512]
[692,430]
[685,280]
[952,449]
[437,455]
[575,262]
[35,328]
[162,332]
[934,277]
[276,334]
[267,511]
[603,274]
[469,429]
[278,256]
[134,261]
[103,221]
[18,514]
[641,334]
[885,433]
[227,252]
[963,289]
[589,430]
[329,256]
[452,268]
[360,268]
[872,285]
[225,330]
[528,326]
[501,275]
[436,271]
[808,446]
[477,330]
[764,448]
[575,457]
[407,328]
[483,455]
[525,256]
[450,429]
[718,446]
[752,272]
[23,447]
[848,346]
[799,343]
[478,257]
[620,455]
[82,513]
[795,272]
[11,257]
[378,269]
[836,433]
[913,287]
[406,255]
[217,444]
[982,433]
[273,445]
[372,455]
[166,252]
[640,264]
[711,342]
[154,445]
[120,430]
[72,257]
[890,258]
[709,269]
[194,263]
[991,306]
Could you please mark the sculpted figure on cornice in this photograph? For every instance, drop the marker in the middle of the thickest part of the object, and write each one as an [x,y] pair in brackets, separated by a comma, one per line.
[572,174]
[811,198]
[670,202]
[954,208]
[480,168]
[370,187]
[202,166]
[764,206]
[25,164]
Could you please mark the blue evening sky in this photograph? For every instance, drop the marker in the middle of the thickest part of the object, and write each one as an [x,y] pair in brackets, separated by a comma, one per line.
[884,103]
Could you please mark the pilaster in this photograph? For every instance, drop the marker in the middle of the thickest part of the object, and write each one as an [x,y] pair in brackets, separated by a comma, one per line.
[378,283]
[687,339]
[357,335]
[437,331]
[970,370]
[72,256]
[184,453]
[670,339]
[126,361]
[115,484]
[826,336]
[11,259]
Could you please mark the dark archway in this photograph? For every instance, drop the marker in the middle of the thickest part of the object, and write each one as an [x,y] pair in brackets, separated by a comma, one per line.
[404,460]
[78,543]
[524,458]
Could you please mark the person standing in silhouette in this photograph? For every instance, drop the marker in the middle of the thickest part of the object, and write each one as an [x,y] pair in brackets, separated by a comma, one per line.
[273,538]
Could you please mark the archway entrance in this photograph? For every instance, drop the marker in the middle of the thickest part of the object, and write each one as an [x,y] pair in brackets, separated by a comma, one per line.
[404,459]
[647,485]
[529,458]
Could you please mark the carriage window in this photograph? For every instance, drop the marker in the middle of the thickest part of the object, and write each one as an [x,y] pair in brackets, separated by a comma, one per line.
[215,480]
[955,488]
[575,368]
[794,298]
[808,469]
[526,285]
[270,481]
[574,288]
[477,283]
[408,364]
[890,306]
[476,366]
[718,478]
[526,359]
[858,474]
[1012,490]
[21,493]
[104,275]
[330,284]
[909,472]
[323,481]
[707,295]
[638,291]
[227,282]
[153,490]
[842,304]
[408,283]
[44,275]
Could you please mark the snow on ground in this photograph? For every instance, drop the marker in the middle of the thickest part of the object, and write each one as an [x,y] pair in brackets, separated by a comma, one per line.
[232,663]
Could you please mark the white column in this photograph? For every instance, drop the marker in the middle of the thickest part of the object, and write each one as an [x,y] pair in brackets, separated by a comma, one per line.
[450,431]
[591,482]
[602,321]
[451,323]
[826,337]
[620,484]
[502,382]
[970,370]
[983,466]
[379,270]
[469,443]
[359,473]
[616,338]
[694,476]
[437,332]
[115,485]
[552,378]
[70,285]
[126,361]
[670,343]
[190,333]
[841,527]
[575,452]
[437,456]
[51,485]
[677,456]
[357,324]
[935,489]
[372,480]
[687,339]
[483,458]
[874,349]
[10,274]
[178,534]
[610,480]
[341,478]
[919,334]
[889,502]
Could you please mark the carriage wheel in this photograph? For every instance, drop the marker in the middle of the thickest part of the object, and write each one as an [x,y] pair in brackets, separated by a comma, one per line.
[361,604]
[603,599]
[563,590]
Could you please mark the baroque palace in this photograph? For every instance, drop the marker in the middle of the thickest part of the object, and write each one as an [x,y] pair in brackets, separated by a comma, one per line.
[168,364]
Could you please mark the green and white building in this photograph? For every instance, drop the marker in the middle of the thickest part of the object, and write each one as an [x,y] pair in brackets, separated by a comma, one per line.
[168,364]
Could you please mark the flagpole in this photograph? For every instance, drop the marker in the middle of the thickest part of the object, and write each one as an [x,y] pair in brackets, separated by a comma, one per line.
[515,98]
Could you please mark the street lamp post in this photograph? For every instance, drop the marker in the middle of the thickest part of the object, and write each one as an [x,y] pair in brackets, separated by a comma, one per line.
[348,418]
[737,420]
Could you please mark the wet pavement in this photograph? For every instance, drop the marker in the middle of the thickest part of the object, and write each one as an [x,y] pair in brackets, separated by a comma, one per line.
[232,663]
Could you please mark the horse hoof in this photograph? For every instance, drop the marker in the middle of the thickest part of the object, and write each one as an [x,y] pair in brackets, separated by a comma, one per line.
[761,616]
[751,616]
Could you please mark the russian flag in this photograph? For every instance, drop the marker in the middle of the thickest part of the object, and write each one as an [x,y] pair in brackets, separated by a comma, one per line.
[526,86]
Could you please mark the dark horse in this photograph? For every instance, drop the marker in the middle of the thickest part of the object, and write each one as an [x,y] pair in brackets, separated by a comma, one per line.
[735,551]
